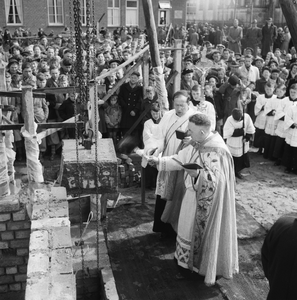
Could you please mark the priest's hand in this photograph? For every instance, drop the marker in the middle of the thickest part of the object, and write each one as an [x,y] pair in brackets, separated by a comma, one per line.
[153,160]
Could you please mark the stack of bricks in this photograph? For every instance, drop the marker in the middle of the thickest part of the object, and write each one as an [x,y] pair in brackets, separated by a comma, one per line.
[14,245]
[50,271]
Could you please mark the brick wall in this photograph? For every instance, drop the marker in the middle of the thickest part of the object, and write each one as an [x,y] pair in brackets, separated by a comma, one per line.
[14,246]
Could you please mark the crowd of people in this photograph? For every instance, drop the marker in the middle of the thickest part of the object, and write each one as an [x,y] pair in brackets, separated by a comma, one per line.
[231,97]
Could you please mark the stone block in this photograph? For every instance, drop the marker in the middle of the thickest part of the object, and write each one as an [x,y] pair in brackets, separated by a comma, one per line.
[22,252]
[11,270]
[4,217]
[41,196]
[105,172]
[38,264]
[4,279]
[37,288]
[63,287]
[39,240]
[22,234]
[48,223]
[58,209]
[3,288]
[61,261]
[20,215]
[2,226]
[10,204]
[59,193]
[21,243]
[7,235]
[20,277]
[2,271]
[40,211]
[3,245]
[18,225]
[11,261]
[61,237]
[15,287]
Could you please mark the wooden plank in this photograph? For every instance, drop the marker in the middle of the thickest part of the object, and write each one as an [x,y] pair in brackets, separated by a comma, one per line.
[59,125]
[122,80]
[58,90]
[177,65]
[18,94]
[127,62]
[28,109]
[145,72]
[171,78]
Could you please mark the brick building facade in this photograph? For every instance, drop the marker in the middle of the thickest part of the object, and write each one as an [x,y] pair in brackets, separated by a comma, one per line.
[55,14]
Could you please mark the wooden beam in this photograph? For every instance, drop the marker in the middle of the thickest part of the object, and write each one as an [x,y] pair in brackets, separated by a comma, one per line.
[122,80]
[28,109]
[177,65]
[18,94]
[145,72]
[127,62]
[60,125]
[58,90]
[171,78]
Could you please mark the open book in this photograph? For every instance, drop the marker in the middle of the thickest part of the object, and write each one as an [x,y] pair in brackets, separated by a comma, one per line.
[190,166]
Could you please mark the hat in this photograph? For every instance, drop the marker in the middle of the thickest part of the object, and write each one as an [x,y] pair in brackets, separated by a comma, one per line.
[58,36]
[237,114]
[275,70]
[237,54]
[114,61]
[36,59]
[213,76]
[258,58]
[269,19]
[255,21]
[187,71]
[135,73]
[196,51]
[11,62]
[26,53]
[234,64]
[221,46]
[273,61]
[266,68]
[249,48]
[233,80]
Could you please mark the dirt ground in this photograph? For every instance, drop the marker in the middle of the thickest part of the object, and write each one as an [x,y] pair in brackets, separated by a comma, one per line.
[143,264]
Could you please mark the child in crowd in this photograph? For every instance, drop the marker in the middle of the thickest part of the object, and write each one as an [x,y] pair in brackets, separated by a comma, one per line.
[279,131]
[238,136]
[148,101]
[290,151]
[271,123]
[200,104]
[113,116]
[261,119]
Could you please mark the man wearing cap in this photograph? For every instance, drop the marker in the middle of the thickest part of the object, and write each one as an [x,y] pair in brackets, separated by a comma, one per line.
[130,99]
[249,71]
[269,35]
[254,36]
[259,63]
[234,37]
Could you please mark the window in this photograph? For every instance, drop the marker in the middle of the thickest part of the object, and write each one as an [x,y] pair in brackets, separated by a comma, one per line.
[55,12]
[83,10]
[131,12]
[191,11]
[14,12]
[113,13]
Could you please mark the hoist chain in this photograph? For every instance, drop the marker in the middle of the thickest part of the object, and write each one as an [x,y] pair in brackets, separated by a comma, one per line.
[88,40]
[79,82]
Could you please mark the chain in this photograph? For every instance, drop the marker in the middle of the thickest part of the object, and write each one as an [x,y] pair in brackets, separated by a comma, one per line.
[79,80]
[88,38]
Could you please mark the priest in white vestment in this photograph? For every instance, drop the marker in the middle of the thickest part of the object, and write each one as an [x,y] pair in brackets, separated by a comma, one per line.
[165,143]
[206,236]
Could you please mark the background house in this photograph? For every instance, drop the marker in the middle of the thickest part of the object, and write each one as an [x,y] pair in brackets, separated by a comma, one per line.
[55,15]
